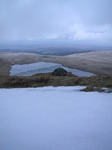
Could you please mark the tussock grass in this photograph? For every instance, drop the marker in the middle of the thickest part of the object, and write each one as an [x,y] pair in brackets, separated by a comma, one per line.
[94,83]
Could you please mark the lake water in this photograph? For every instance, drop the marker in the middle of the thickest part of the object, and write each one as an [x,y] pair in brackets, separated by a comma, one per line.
[43,67]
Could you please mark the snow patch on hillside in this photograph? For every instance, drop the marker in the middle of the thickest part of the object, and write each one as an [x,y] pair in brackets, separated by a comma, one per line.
[49,118]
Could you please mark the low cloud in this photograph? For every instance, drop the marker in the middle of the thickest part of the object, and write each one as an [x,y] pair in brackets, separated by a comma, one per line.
[55,19]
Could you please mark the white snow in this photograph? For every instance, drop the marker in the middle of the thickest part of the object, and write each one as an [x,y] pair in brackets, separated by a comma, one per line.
[42,67]
[55,118]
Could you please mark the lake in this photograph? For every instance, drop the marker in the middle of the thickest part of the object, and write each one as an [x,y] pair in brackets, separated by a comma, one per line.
[43,67]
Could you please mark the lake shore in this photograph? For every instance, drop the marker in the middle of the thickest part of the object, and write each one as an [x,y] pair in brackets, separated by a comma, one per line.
[99,62]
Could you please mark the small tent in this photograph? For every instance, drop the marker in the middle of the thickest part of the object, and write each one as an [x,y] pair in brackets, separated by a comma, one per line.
[59,72]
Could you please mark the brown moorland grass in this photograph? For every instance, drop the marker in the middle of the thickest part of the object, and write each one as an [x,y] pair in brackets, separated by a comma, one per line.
[47,79]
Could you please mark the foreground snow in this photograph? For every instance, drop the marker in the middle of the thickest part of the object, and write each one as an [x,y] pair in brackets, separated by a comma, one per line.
[55,119]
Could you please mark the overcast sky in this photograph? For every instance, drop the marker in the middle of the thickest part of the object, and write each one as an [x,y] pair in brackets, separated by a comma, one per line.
[55,19]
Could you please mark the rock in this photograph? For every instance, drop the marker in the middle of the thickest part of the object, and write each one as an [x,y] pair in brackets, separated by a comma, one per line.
[92,89]
[108,90]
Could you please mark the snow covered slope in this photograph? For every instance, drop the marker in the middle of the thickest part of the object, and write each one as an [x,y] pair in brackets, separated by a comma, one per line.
[51,118]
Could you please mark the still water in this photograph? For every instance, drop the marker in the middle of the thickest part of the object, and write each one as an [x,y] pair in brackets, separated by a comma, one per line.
[43,67]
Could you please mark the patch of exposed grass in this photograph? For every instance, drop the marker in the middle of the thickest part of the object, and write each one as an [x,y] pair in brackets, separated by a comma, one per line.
[91,88]
[48,79]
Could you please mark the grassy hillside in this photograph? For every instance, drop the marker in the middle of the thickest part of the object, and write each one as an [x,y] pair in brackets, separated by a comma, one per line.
[99,63]
[48,79]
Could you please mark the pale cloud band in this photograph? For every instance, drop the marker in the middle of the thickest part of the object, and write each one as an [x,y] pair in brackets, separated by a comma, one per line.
[55,19]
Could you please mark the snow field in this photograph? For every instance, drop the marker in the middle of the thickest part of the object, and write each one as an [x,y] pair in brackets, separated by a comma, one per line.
[60,118]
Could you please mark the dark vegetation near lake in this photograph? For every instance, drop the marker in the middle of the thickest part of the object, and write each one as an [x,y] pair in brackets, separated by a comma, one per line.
[94,83]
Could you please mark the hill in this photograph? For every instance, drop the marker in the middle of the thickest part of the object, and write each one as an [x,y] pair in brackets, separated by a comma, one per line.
[99,62]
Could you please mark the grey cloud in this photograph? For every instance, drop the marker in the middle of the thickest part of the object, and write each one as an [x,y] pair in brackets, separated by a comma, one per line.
[55,19]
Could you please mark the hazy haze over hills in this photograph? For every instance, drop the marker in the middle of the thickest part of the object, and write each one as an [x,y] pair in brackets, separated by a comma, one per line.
[54,47]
